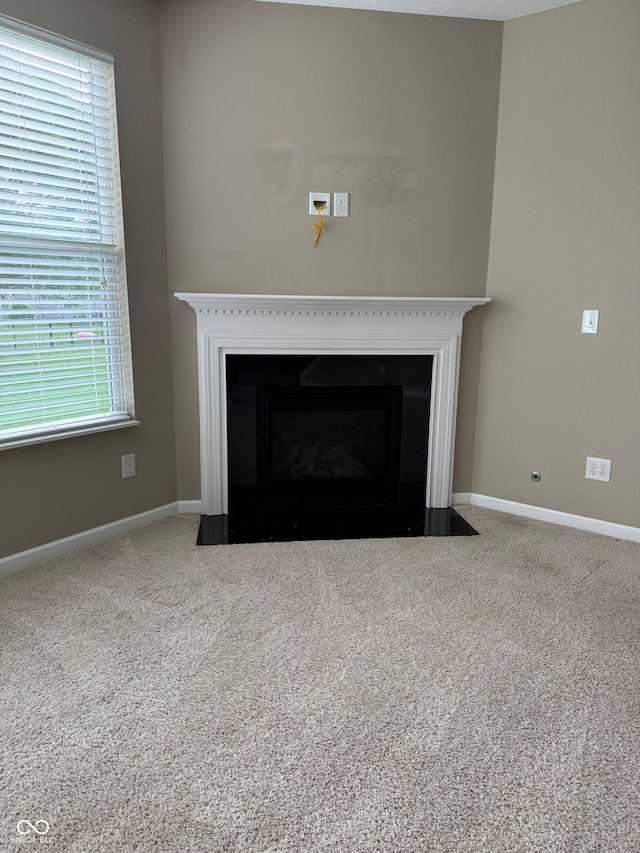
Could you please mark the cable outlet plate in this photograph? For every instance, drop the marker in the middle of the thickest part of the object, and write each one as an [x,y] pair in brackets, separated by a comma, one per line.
[590,319]
[598,469]
[324,197]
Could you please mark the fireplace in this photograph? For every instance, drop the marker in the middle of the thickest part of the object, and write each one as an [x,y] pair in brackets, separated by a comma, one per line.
[327,417]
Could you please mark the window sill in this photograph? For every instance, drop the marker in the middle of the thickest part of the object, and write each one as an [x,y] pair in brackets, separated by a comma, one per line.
[73,432]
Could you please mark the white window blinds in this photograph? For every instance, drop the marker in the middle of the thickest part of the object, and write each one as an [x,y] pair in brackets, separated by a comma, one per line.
[64,341]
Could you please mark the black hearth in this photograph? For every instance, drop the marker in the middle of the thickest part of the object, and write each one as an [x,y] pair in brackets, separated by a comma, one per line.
[328,447]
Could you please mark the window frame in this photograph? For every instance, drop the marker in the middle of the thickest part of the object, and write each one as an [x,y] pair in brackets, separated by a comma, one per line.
[95,423]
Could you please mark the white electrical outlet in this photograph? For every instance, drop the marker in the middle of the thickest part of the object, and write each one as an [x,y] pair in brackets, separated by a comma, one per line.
[324,198]
[598,469]
[341,204]
[128,465]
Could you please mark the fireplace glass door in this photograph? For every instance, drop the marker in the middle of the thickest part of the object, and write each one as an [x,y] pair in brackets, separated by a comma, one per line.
[329,445]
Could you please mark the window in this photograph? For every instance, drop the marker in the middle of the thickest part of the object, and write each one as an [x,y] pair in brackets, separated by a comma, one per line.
[65,363]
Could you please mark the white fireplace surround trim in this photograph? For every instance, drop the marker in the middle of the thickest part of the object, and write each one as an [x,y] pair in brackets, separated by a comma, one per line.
[326,325]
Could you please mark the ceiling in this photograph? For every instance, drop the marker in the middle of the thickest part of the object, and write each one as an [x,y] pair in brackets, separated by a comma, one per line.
[490,10]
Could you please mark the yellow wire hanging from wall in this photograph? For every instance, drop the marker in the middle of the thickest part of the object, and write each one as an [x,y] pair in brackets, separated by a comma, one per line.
[318,226]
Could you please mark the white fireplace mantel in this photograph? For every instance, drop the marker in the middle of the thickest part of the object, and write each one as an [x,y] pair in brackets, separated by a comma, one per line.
[326,325]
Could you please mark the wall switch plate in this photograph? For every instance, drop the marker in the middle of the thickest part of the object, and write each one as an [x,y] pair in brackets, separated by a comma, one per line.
[341,204]
[598,469]
[323,197]
[128,465]
[590,319]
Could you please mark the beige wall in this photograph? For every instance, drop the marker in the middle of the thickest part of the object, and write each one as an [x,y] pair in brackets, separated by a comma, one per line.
[564,238]
[401,113]
[54,490]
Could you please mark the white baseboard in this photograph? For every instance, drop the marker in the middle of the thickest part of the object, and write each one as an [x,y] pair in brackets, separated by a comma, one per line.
[566,519]
[190,506]
[21,560]
[87,537]
[461,498]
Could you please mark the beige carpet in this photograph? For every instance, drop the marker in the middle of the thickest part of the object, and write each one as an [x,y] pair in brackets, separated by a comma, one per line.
[446,694]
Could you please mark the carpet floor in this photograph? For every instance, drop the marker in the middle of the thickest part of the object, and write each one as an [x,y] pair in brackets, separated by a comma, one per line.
[434,694]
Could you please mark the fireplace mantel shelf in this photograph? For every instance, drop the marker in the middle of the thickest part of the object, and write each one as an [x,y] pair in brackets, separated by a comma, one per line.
[251,303]
[229,323]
